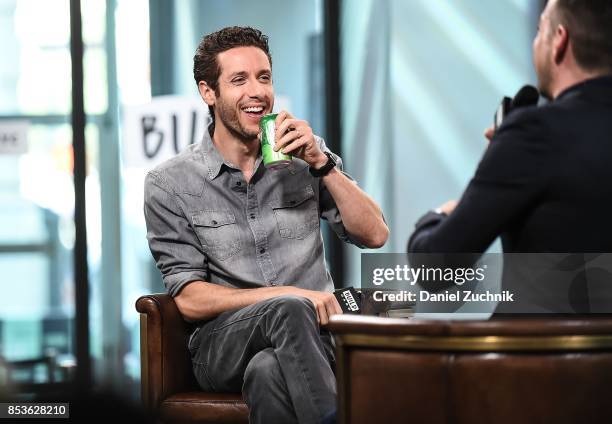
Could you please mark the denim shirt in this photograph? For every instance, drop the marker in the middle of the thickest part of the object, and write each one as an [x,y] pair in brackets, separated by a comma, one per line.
[204,222]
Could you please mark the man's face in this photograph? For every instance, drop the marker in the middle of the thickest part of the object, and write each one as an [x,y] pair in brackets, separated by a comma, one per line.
[542,51]
[245,90]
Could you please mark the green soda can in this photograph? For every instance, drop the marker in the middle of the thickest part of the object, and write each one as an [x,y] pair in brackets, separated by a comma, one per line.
[271,159]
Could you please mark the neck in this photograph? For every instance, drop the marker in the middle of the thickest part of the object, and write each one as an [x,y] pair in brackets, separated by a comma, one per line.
[238,151]
[572,77]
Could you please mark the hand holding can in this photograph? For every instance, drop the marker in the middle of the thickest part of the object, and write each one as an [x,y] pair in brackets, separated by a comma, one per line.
[295,137]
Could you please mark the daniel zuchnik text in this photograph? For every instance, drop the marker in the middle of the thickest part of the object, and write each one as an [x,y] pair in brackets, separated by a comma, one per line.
[424,296]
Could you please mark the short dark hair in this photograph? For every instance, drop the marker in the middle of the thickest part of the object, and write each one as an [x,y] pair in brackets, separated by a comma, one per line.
[205,65]
[589,23]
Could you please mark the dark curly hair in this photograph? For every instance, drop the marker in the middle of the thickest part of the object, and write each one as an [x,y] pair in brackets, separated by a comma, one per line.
[205,65]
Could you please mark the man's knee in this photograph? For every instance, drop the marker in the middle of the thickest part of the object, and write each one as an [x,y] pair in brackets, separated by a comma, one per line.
[293,306]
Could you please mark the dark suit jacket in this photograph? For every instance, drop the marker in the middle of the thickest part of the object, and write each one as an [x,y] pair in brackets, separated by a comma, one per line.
[543,185]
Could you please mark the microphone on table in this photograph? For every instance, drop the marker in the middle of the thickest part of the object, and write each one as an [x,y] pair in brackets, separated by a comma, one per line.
[349,300]
[526,96]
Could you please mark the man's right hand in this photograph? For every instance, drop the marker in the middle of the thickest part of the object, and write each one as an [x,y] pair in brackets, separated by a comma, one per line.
[325,303]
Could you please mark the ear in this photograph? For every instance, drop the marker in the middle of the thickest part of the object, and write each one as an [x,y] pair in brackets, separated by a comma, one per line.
[207,93]
[560,44]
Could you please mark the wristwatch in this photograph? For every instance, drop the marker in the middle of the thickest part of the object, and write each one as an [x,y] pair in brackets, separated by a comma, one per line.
[324,170]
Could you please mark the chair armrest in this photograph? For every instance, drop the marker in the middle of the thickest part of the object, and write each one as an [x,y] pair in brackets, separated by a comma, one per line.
[165,361]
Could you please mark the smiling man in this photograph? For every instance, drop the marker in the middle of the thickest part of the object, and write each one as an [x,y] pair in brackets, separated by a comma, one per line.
[239,245]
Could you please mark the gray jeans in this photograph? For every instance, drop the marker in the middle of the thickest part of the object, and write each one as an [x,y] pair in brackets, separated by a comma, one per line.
[276,354]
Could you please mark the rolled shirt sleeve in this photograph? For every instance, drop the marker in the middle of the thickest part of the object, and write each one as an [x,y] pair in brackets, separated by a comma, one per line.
[177,251]
[329,209]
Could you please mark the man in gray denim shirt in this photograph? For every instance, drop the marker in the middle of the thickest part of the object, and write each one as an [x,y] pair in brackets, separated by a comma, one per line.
[239,246]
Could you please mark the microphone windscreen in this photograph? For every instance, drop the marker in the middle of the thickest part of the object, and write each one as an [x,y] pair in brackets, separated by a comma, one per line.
[526,96]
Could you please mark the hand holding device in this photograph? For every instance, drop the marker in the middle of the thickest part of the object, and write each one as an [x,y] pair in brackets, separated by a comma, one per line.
[349,300]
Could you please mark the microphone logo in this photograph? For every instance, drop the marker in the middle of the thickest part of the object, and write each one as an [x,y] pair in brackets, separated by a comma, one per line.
[349,301]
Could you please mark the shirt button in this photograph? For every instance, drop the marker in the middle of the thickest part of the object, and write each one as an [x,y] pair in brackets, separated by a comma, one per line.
[238,183]
[252,216]
[262,251]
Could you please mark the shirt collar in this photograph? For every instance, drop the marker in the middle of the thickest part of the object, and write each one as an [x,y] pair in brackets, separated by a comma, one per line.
[213,159]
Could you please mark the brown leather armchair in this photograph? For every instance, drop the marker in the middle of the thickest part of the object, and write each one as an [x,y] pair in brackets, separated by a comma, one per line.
[169,388]
[499,371]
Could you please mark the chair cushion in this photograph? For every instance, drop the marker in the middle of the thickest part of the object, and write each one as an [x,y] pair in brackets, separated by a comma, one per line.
[204,407]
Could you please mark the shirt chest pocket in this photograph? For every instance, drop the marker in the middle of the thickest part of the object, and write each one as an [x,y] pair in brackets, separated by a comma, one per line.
[218,233]
[296,213]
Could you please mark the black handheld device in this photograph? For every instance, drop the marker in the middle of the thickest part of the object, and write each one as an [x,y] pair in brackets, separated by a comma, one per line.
[349,300]
[528,95]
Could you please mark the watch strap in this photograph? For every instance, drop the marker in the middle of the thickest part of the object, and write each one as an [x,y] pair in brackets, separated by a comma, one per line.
[324,170]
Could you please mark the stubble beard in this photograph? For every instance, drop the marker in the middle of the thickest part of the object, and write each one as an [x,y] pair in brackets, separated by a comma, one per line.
[229,118]
[544,70]
[545,80]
